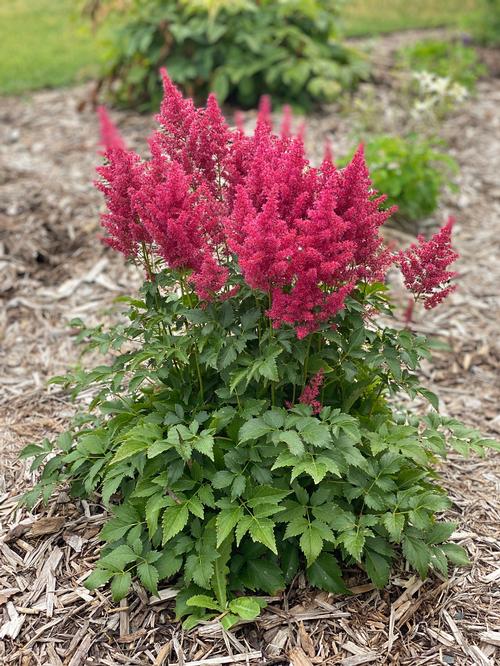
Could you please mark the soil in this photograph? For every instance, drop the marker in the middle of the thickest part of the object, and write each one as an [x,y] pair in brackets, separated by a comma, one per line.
[54,268]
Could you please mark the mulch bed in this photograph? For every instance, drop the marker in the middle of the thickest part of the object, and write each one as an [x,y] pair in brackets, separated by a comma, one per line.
[54,269]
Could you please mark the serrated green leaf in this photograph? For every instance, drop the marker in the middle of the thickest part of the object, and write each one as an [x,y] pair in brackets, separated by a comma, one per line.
[253,429]
[152,510]
[200,568]
[174,520]
[98,578]
[326,574]
[238,486]
[203,601]
[378,568]
[206,495]
[263,574]
[168,565]
[242,528]
[439,561]
[226,521]
[204,444]
[353,542]
[110,486]
[128,449]
[340,520]
[292,440]
[311,543]
[222,479]
[120,585]
[456,554]
[440,532]
[196,507]
[149,576]
[269,369]
[262,530]
[114,530]
[267,495]
[296,527]
[394,523]
[316,433]
[275,418]
[285,459]
[221,571]
[118,558]
[417,553]
[430,397]
[245,607]
[317,471]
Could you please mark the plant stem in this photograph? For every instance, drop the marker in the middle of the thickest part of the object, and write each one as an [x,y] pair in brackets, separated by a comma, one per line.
[187,295]
[306,361]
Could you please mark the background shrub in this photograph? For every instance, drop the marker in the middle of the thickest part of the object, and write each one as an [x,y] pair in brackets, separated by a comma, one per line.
[452,60]
[412,172]
[485,24]
[239,49]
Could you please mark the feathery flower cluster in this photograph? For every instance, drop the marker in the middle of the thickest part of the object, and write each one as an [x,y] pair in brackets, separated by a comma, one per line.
[424,266]
[110,136]
[309,395]
[219,206]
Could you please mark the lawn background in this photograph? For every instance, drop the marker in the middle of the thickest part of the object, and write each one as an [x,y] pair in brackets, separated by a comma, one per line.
[46,43]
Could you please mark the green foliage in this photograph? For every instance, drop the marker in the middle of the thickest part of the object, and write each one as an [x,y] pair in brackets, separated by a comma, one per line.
[485,24]
[411,171]
[239,50]
[212,481]
[43,44]
[451,60]
[366,17]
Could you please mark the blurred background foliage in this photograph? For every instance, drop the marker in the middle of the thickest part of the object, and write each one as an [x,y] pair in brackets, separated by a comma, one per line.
[485,23]
[240,49]
[454,60]
[46,43]
[295,50]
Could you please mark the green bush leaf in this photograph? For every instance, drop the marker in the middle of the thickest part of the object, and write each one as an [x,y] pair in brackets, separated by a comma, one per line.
[253,429]
[120,585]
[227,520]
[418,554]
[293,441]
[118,558]
[262,530]
[456,554]
[325,574]
[129,449]
[264,574]
[311,544]
[394,523]
[149,576]
[98,578]
[378,568]
[174,520]
[203,601]
[440,532]
[245,607]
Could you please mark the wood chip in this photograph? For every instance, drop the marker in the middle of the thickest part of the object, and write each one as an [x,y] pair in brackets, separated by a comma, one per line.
[47,525]
[298,657]
[491,637]
[81,652]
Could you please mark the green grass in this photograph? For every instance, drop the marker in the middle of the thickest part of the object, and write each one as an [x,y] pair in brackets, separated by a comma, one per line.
[43,43]
[46,43]
[368,17]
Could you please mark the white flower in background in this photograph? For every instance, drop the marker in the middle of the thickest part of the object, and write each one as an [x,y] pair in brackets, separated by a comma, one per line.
[436,94]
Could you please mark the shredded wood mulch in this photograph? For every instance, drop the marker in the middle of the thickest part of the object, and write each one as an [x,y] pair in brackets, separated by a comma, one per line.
[53,269]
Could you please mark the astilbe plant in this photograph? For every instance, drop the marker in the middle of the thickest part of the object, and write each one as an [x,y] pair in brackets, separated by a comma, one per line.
[243,429]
